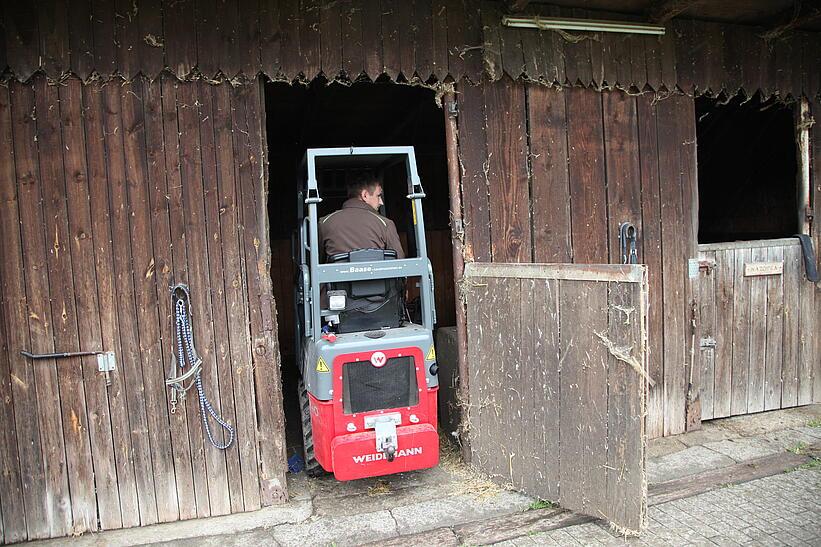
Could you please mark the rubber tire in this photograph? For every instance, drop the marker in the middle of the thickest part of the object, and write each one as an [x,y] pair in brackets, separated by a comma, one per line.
[312,467]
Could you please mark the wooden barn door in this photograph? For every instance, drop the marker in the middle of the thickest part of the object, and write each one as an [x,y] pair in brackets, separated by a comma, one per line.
[756,335]
[557,359]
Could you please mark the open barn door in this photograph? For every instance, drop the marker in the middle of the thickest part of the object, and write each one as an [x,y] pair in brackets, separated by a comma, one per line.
[557,360]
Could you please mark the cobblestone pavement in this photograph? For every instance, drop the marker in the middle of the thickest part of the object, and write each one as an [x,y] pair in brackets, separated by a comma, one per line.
[782,509]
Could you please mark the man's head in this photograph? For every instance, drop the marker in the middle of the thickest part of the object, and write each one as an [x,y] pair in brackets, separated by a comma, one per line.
[366,187]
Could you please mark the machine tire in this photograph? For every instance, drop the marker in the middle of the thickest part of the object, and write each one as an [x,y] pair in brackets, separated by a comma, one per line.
[312,467]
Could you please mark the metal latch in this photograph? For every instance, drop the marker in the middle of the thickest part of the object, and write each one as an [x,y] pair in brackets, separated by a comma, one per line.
[106,361]
[385,426]
[708,343]
[627,239]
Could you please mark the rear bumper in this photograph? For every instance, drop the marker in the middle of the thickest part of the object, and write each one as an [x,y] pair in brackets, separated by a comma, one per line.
[354,456]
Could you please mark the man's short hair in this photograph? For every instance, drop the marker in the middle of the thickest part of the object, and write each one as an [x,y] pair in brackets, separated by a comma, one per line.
[362,180]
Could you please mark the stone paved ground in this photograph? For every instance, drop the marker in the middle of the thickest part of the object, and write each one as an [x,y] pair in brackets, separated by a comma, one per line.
[783,509]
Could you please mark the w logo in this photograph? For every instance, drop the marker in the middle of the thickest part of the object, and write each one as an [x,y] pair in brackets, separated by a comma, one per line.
[378,359]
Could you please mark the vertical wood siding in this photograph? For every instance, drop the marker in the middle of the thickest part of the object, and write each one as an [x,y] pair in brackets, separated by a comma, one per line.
[110,194]
[559,170]
[425,39]
[765,331]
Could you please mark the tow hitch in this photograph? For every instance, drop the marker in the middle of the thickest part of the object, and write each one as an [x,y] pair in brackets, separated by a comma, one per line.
[385,429]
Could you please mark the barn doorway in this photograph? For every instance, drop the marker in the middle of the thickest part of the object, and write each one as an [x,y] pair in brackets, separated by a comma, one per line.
[325,114]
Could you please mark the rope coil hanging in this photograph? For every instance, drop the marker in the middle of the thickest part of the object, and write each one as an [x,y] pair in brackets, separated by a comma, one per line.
[185,354]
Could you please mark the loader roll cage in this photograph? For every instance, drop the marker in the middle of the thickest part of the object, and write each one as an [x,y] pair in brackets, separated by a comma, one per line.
[313,274]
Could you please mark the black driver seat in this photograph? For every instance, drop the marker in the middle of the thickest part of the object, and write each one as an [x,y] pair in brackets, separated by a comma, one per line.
[370,304]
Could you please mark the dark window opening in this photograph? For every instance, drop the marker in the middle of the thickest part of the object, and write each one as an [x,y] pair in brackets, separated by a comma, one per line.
[337,115]
[747,169]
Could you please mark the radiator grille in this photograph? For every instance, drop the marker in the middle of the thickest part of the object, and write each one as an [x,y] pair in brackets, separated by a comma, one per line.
[367,388]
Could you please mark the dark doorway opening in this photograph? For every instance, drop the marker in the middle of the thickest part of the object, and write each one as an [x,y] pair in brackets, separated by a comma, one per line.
[747,169]
[324,114]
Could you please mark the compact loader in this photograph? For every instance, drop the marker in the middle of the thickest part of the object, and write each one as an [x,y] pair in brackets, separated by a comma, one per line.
[369,381]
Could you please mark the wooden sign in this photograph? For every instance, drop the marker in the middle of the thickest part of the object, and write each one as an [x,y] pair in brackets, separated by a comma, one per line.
[763,268]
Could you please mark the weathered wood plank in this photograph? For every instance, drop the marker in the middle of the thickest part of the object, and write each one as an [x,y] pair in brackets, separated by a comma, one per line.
[216,270]
[755,244]
[652,256]
[583,452]
[686,137]
[565,272]
[85,284]
[22,468]
[439,24]
[270,38]
[807,356]
[22,38]
[80,39]
[330,25]
[372,38]
[689,486]
[793,268]
[130,358]
[775,334]
[723,333]
[550,180]
[252,184]
[52,26]
[309,39]
[549,379]
[513,59]
[587,176]
[108,297]
[225,33]
[289,19]
[758,335]
[471,48]
[621,150]
[127,38]
[208,29]
[473,152]
[423,38]
[705,356]
[490,15]
[455,43]
[181,44]
[352,51]
[43,383]
[236,296]
[507,172]
[676,335]
[741,334]
[188,463]
[143,265]
[625,390]
[249,37]
[63,309]
[407,40]
[576,53]
[191,170]
[151,39]
[159,176]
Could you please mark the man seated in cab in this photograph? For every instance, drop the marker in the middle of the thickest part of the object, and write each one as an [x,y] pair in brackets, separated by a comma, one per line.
[358,225]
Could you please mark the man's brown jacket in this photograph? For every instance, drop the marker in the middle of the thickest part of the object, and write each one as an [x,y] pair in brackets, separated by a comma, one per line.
[357,226]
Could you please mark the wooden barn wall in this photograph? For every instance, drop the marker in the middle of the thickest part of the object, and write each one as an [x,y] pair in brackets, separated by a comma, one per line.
[429,39]
[108,195]
[550,174]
